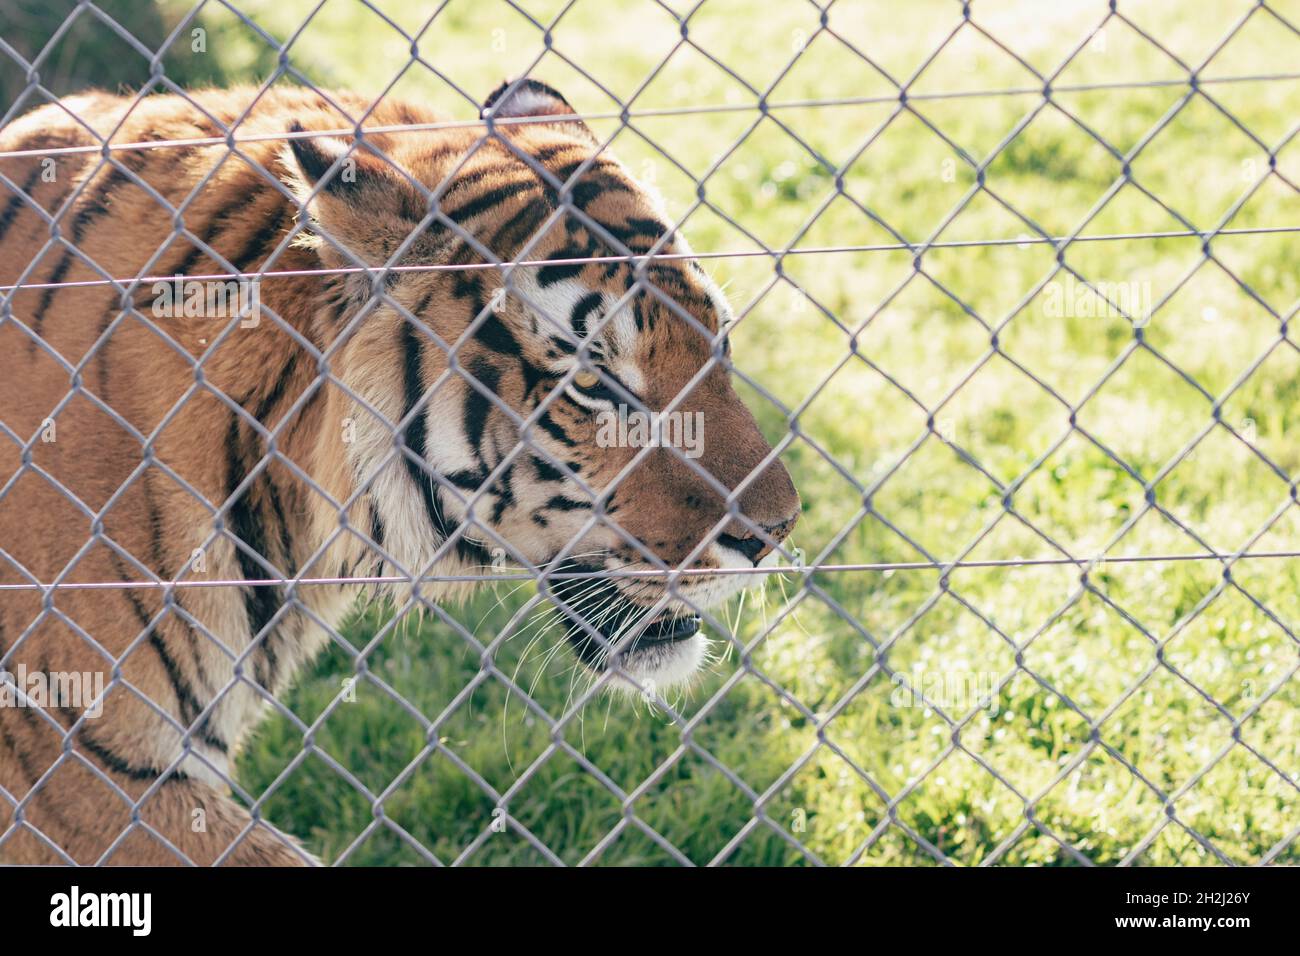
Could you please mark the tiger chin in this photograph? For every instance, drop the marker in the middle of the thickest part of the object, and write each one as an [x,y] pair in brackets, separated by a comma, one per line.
[400,400]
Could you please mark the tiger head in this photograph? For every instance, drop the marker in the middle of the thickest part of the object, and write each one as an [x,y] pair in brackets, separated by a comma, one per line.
[572,415]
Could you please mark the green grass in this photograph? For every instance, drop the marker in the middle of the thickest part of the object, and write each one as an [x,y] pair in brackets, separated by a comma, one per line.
[883,504]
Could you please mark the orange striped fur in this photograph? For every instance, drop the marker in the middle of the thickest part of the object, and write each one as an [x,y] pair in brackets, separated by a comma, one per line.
[142,448]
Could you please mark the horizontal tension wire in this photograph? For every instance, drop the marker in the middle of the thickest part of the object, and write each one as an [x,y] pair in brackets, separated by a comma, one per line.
[1099,561]
[1025,240]
[626,114]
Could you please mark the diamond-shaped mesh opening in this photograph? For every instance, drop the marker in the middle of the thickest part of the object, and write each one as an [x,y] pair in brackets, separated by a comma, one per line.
[1012,297]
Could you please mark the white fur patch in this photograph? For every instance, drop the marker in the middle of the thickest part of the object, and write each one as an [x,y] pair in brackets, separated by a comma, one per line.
[553,303]
[714,590]
[661,667]
[409,537]
[556,303]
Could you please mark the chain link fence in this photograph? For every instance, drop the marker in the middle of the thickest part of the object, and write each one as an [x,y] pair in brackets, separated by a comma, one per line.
[958,723]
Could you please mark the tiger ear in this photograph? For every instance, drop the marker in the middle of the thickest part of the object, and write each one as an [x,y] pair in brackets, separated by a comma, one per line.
[356,169]
[359,198]
[528,97]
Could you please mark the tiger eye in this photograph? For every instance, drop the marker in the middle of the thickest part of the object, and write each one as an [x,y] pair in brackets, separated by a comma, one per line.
[586,380]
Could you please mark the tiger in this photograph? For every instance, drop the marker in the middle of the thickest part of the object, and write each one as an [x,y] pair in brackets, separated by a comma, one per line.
[445,314]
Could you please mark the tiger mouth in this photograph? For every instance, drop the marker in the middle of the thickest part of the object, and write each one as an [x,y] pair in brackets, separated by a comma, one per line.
[668,628]
[626,628]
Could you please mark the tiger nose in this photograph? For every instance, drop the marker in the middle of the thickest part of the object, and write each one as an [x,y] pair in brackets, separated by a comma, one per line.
[753,546]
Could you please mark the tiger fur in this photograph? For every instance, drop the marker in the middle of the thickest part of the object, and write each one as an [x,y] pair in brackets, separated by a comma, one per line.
[333,436]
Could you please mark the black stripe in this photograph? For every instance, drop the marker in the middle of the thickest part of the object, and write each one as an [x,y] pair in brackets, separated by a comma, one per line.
[338,312]
[588,304]
[477,406]
[519,228]
[47,295]
[274,522]
[593,184]
[257,532]
[560,503]
[634,228]
[186,699]
[262,411]
[505,492]
[16,202]
[493,334]
[255,249]
[489,200]
[554,430]
[416,434]
[190,707]
[468,286]
[210,233]
[546,471]
[278,521]
[260,603]
[549,275]
[416,439]
[596,167]
[533,376]
[590,188]
[210,236]
[472,176]
[159,566]
[118,765]
[545,154]
[93,206]
[469,480]
[376,525]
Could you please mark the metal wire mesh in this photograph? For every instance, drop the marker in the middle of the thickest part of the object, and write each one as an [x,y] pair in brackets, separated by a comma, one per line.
[807,573]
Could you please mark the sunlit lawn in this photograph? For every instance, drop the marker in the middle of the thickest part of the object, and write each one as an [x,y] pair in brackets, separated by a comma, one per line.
[858,351]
